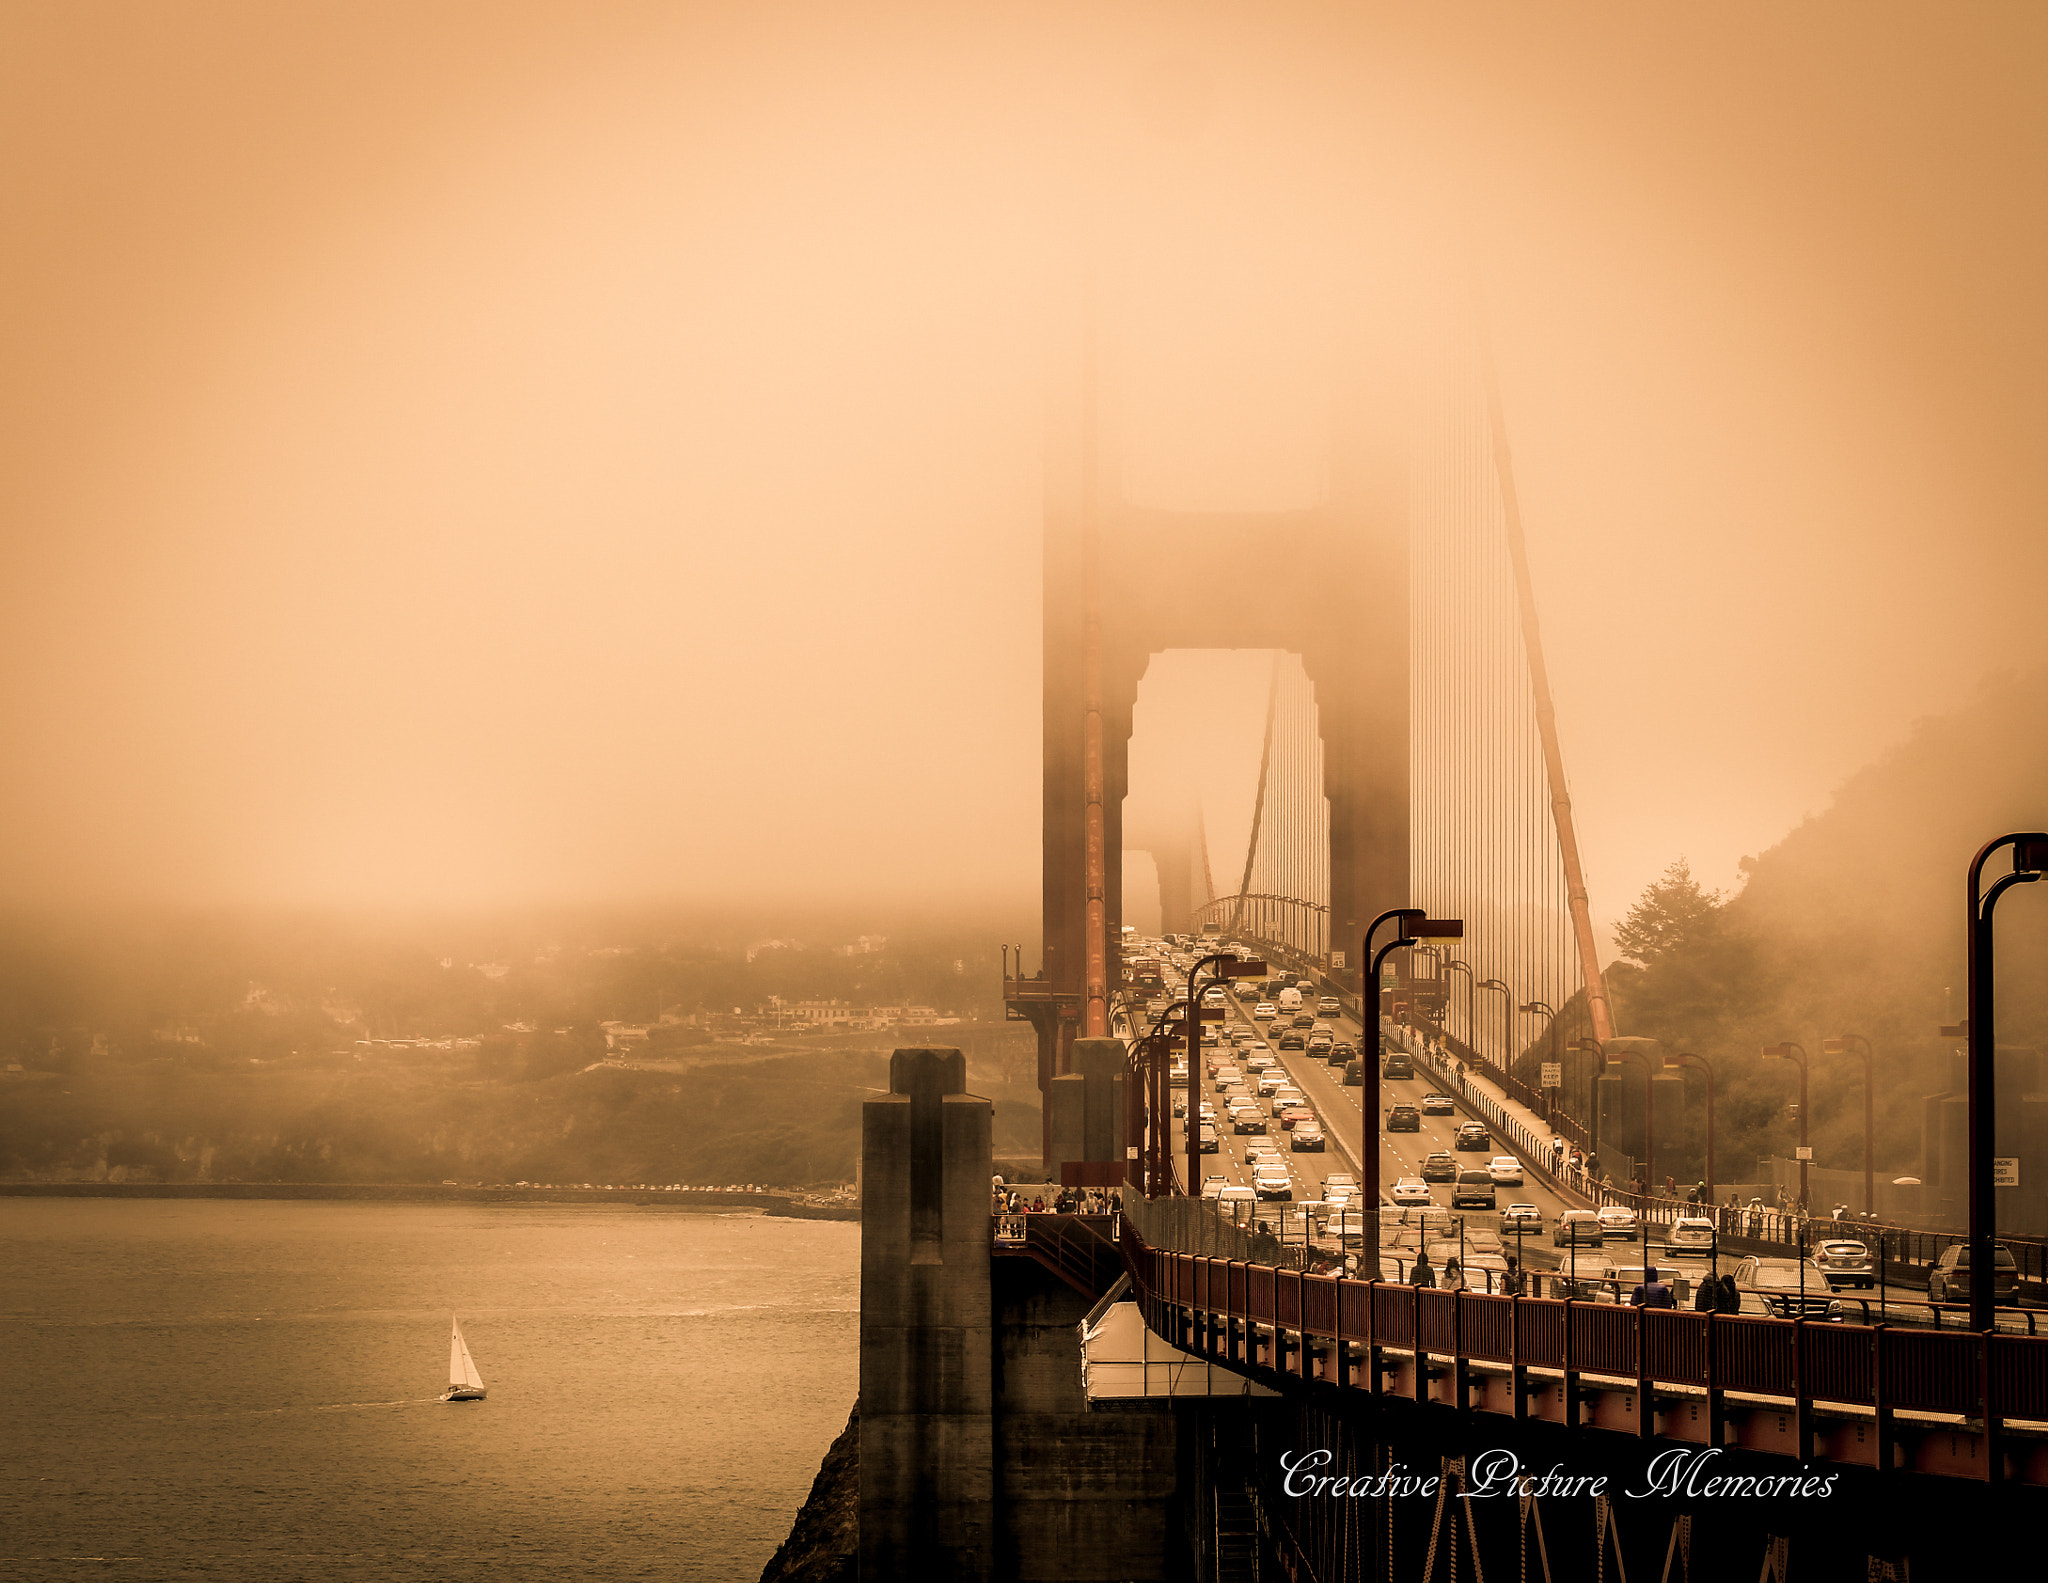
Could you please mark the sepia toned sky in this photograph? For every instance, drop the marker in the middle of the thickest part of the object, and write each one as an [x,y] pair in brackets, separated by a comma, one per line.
[457,453]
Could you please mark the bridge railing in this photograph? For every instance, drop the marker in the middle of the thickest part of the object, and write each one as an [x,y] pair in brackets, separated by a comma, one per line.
[1191,1299]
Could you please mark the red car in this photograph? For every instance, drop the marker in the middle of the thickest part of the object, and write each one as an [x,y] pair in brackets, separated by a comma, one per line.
[1296,1113]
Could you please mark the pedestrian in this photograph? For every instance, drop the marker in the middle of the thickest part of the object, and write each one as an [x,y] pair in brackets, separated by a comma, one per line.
[1038,1205]
[1708,1297]
[1454,1277]
[1652,1293]
[1511,1280]
[1422,1274]
[1728,1300]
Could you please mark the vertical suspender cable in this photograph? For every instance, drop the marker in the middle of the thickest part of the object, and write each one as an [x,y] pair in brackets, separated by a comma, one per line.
[1546,721]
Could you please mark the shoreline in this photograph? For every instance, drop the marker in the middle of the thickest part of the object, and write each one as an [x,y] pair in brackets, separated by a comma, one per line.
[777,1205]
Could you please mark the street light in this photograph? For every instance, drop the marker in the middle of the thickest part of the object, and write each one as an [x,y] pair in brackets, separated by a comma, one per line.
[1507,1022]
[1649,1131]
[1793,1052]
[1550,1031]
[1846,1045]
[1455,966]
[1700,1061]
[2029,858]
[1228,967]
[1593,1093]
[1415,926]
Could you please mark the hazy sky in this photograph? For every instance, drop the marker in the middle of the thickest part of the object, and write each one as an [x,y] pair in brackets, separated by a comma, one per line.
[473,451]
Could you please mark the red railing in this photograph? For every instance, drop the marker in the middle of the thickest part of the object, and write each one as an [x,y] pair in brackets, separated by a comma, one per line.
[1803,1361]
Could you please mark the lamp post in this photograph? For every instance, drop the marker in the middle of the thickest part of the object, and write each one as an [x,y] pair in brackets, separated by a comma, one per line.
[1793,1052]
[1550,1032]
[1471,1032]
[1593,1091]
[1415,925]
[1686,1058]
[2029,858]
[1507,1022]
[1649,1132]
[1847,1045]
[1228,967]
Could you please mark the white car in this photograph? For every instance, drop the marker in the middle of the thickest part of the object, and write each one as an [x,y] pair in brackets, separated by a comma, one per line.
[1273,1183]
[1265,1011]
[1693,1235]
[1213,1184]
[1410,1190]
[1259,1060]
[1528,1214]
[1616,1220]
[1271,1082]
[1505,1170]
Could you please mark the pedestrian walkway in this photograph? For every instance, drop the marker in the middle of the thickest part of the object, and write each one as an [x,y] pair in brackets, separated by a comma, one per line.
[1542,1151]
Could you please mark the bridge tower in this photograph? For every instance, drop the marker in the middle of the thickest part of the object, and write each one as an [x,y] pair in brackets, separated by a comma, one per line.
[1124,581]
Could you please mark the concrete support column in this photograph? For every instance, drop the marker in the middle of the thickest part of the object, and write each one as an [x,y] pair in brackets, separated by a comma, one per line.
[927,1482]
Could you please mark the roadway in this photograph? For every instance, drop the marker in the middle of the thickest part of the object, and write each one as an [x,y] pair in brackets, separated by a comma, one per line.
[1339,1111]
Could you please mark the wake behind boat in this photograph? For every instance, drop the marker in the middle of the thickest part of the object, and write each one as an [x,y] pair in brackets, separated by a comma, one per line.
[464,1383]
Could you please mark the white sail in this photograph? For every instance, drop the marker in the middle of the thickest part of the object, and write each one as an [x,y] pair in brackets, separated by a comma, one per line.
[462,1367]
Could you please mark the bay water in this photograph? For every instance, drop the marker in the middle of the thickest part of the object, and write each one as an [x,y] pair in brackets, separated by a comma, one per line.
[212,1389]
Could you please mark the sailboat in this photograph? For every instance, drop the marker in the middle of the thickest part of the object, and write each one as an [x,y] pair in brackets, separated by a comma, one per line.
[464,1383]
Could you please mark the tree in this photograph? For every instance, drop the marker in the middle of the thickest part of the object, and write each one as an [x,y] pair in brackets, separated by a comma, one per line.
[1673,913]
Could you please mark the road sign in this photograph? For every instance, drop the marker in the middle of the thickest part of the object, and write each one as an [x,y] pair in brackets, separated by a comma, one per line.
[1802,1153]
[1553,1074]
[1336,959]
[2005,1170]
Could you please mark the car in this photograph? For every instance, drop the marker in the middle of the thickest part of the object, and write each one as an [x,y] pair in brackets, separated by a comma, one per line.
[1288,1000]
[1207,1143]
[1439,1167]
[1471,1137]
[1228,1077]
[1296,1115]
[1341,1179]
[1213,995]
[1265,1011]
[1521,1214]
[1472,1190]
[1273,1184]
[1248,990]
[1618,1220]
[1398,1067]
[1341,1050]
[1304,1020]
[1319,1045]
[1410,1190]
[1306,1137]
[1843,1264]
[1287,1094]
[1781,1288]
[1237,1202]
[1404,1118]
[1354,1073]
[1949,1280]
[1260,1062]
[1329,1006]
[1293,1041]
[1180,1104]
[1689,1237]
[1247,1121]
[1577,1226]
[1505,1170]
[1214,1183]
[1439,1105]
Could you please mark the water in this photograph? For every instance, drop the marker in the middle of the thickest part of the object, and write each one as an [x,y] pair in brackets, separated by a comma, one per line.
[216,1390]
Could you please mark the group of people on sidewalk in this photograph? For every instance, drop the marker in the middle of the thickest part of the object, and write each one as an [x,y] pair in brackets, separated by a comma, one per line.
[1010,1204]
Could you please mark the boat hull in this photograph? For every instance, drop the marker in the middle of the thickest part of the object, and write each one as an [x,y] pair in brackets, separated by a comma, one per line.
[463,1393]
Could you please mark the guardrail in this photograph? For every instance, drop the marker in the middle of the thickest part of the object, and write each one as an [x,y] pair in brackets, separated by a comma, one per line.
[1262,1319]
